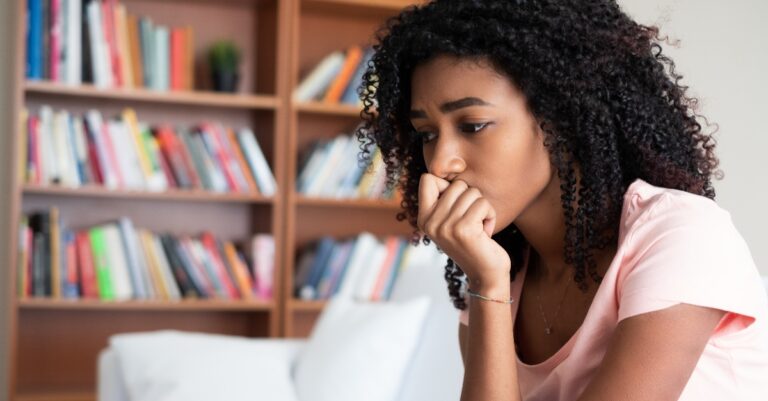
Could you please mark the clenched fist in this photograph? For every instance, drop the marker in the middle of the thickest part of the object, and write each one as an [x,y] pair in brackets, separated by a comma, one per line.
[460,221]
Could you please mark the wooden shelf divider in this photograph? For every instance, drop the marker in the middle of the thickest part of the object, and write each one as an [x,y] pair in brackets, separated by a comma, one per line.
[168,195]
[149,305]
[200,98]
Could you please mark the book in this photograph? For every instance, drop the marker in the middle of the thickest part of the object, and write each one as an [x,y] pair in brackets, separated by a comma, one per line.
[264,265]
[257,162]
[318,80]
[353,56]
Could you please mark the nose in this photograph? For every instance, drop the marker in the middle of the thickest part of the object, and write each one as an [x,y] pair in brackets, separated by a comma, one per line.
[447,162]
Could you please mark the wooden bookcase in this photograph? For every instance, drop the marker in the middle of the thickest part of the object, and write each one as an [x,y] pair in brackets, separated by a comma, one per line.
[55,343]
[320,27]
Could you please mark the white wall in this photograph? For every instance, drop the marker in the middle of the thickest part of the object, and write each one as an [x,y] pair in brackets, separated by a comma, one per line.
[7,31]
[723,56]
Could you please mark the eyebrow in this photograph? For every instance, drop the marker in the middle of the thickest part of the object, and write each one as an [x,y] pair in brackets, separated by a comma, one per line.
[453,106]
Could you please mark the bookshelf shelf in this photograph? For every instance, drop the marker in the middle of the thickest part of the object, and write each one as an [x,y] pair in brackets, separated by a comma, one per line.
[326,108]
[56,396]
[302,200]
[385,5]
[170,195]
[307,306]
[199,98]
[184,305]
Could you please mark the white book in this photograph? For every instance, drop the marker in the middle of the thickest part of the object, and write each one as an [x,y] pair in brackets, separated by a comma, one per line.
[48,165]
[101,62]
[347,166]
[74,59]
[160,73]
[264,264]
[136,271]
[328,168]
[96,127]
[318,80]
[63,19]
[127,159]
[365,243]
[370,272]
[257,162]
[62,149]
[319,153]
[144,266]
[174,293]
[118,265]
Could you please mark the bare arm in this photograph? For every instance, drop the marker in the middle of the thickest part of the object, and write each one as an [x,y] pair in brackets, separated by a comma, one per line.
[488,351]
[651,356]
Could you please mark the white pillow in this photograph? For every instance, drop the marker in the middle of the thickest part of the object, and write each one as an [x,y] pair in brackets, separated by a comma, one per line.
[359,350]
[170,365]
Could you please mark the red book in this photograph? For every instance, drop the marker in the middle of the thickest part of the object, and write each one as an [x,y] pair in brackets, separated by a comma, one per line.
[166,140]
[167,170]
[226,280]
[177,59]
[93,155]
[111,154]
[108,19]
[28,237]
[209,134]
[88,286]
[55,40]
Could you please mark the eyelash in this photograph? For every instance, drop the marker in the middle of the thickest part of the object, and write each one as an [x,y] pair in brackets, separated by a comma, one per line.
[425,135]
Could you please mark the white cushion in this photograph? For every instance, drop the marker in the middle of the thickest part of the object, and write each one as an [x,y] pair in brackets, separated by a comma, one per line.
[171,365]
[436,371]
[359,350]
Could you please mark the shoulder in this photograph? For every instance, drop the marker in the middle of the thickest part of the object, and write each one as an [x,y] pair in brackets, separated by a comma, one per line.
[679,247]
[652,213]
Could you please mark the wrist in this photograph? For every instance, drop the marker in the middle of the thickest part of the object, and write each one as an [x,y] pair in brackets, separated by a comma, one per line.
[496,288]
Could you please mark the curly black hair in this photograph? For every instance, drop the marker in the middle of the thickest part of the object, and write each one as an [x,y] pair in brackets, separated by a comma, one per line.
[610,104]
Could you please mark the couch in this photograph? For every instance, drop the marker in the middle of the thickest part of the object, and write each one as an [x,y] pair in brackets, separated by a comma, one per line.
[433,371]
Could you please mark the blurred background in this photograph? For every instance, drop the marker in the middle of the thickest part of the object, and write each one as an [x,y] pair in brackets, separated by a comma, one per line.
[262,86]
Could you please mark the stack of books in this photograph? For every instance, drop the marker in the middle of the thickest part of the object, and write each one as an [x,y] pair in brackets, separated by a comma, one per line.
[332,169]
[362,268]
[115,261]
[97,41]
[337,78]
[58,147]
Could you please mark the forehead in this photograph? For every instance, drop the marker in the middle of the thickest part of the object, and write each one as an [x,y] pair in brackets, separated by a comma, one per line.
[446,78]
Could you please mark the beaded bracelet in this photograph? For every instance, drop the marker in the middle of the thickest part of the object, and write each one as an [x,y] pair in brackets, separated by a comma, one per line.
[501,301]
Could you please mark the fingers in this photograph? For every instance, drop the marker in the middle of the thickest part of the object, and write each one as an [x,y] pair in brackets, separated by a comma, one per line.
[430,188]
[445,207]
[481,210]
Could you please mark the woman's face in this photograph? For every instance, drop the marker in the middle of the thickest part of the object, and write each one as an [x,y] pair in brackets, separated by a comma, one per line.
[476,127]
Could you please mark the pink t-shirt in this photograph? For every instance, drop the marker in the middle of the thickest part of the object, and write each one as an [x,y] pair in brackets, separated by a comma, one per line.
[674,247]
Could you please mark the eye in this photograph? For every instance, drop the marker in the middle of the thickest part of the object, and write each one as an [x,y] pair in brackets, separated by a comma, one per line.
[471,128]
[426,136]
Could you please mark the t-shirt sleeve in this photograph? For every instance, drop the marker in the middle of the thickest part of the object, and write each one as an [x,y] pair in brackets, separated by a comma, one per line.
[693,254]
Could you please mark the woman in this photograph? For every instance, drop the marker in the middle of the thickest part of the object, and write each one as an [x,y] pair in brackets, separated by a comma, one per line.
[548,148]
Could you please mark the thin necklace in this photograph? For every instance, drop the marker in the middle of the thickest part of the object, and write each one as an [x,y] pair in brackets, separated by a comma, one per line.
[547,325]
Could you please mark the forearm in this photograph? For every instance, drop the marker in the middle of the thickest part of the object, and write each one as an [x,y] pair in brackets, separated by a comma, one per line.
[490,371]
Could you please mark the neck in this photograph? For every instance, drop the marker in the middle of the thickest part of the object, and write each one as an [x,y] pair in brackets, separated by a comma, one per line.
[543,226]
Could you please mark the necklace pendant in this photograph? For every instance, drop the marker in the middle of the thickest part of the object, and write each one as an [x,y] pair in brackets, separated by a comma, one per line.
[548,330]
